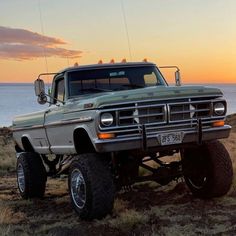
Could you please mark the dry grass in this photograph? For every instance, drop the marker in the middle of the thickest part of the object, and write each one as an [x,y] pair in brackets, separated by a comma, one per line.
[146,210]
[7,154]
[230,145]
[125,221]
[8,216]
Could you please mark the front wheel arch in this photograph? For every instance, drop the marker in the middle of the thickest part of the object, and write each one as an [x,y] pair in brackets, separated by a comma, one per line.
[28,147]
[82,142]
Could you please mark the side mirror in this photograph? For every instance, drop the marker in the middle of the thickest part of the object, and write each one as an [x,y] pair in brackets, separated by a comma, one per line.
[177,78]
[39,89]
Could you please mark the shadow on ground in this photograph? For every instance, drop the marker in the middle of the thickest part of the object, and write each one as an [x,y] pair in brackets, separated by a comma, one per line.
[147,209]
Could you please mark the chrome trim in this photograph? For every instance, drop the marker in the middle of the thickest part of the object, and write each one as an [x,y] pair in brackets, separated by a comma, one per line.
[188,111]
[132,107]
[117,118]
[77,110]
[69,121]
[28,128]
[79,119]
[141,116]
[56,123]
[177,123]
[168,113]
[204,118]
[219,98]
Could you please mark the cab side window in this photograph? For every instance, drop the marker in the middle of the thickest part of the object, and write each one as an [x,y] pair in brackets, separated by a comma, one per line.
[60,90]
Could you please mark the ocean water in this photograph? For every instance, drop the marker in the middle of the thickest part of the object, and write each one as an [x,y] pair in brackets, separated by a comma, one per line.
[229,91]
[16,99]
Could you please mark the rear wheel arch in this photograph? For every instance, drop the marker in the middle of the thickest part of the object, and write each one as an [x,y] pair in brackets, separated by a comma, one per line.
[82,141]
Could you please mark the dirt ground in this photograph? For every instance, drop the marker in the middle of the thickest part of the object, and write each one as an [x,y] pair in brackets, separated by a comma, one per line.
[147,209]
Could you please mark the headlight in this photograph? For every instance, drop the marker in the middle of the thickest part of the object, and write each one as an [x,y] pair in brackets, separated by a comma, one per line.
[107,119]
[219,108]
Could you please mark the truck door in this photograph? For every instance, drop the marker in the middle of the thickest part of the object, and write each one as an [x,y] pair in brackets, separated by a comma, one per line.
[54,116]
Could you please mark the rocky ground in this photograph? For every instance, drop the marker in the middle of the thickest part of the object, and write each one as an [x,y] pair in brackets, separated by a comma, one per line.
[147,209]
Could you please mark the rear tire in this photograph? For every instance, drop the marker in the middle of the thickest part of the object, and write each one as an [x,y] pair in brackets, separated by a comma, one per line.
[91,186]
[31,175]
[208,170]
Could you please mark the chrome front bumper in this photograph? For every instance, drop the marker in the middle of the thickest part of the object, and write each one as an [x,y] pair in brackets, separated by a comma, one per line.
[151,141]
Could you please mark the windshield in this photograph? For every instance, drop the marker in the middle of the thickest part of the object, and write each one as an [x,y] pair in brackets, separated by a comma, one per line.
[113,79]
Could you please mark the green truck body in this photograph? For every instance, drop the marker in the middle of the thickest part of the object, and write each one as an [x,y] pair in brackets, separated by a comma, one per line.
[124,113]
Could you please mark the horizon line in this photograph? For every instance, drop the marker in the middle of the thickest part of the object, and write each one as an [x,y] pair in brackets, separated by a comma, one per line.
[193,83]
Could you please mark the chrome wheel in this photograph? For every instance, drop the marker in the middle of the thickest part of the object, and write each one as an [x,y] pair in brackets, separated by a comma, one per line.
[198,183]
[21,178]
[78,188]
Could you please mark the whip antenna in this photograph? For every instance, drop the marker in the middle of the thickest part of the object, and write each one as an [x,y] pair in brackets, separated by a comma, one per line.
[126,28]
[42,31]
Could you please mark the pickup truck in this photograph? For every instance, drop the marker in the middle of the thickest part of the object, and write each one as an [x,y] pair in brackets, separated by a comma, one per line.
[105,122]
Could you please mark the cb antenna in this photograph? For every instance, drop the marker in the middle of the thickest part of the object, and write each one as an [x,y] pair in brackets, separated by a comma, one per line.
[126,28]
[42,31]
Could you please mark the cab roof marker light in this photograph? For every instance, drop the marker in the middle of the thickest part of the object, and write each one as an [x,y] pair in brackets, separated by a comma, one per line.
[76,64]
[112,61]
[100,62]
[123,60]
[145,60]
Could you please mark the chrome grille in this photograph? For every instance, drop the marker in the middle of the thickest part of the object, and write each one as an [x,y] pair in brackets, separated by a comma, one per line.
[189,110]
[160,116]
[141,114]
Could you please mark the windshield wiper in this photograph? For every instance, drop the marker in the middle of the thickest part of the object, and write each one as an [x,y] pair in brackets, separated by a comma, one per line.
[133,85]
[96,89]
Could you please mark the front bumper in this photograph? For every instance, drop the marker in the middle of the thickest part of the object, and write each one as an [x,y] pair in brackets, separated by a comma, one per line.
[151,141]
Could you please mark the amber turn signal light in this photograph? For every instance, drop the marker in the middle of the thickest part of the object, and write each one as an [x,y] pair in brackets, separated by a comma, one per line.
[106,135]
[218,123]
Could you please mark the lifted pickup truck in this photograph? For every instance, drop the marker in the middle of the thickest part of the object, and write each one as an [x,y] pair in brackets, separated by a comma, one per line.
[105,121]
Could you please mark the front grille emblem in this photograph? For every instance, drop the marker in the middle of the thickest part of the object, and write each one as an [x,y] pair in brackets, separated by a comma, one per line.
[192,110]
[135,114]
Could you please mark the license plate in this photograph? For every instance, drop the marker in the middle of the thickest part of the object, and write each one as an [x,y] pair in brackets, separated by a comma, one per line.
[170,138]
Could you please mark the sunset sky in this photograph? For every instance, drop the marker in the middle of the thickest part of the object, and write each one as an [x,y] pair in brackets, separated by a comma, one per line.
[197,35]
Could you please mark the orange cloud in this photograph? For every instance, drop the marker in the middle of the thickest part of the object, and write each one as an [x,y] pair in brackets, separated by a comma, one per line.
[21,44]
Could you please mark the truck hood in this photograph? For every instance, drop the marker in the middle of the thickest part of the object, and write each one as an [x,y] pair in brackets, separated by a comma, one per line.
[159,92]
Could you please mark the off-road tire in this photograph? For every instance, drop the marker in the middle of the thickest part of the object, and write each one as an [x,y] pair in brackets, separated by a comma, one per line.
[208,170]
[33,173]
[98,185]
